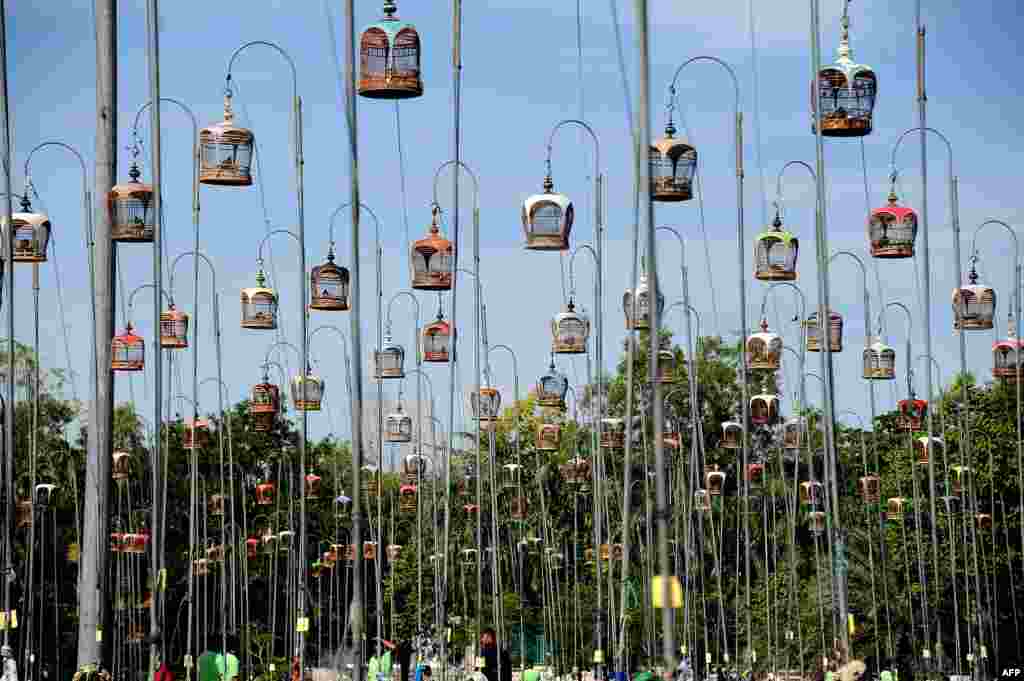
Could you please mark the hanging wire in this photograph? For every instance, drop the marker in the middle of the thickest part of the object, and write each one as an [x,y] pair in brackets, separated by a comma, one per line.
[752,18]
[401,180]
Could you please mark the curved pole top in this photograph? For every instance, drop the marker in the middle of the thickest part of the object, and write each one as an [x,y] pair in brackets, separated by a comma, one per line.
[167,100]
[850,254]
[895,147]
[716,60]
[401,294]
[197,254]
[463,166]
[582,124]
[322,327]
[269,362]
[362,206]
[1000,223]
[223,385]
[273,46]
[934,362]
[195,407]
[131,296]
[572,259]
[852,413]
[62,145]
[789,284]
[277,344]
[420,372]
[778,180]
[811,373]
[906,310]
[679,237]
[259,252]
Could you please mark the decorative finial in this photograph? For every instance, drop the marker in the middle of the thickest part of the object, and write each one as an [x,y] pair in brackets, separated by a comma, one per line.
[134,171]
[549,185]
[435,214]
[777,222]
[330,252]
[1011,326]
[764,325]
[390,8]
[892,188]
[229,115]
[261,279]
[571,307]
[670,128]
[973,276]
[26,205]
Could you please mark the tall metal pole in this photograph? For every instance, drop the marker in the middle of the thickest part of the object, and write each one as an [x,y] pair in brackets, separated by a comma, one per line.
[95,521]
[821,244]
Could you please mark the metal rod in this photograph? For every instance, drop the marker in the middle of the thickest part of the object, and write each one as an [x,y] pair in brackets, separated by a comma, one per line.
[8,472]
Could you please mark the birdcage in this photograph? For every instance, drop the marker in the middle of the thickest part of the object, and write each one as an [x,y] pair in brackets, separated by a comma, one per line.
[613,433]
[896,508]
[407,498]
[485,405]
[201,567]
[471,509]
[879,361]
[1008,358]
[950,506]
[511,476]
[811,493]
[373,485]
[518,506]
[792,432]
[764,409]
[732,435]
[173,329]
[226,152]
[266,492]
[961,479]
[121,465]
[775,253]
[755,475]
[816,522]
[44,494]
[569,331]
[701,501]
[714,480]
[925,447]
[984,521]
[467,557]
[912,413]
[216,504]
[127,351]
[389,361]
[974,305]
[31,234]
[313,484]
[329,286]
[284,540]
[618,552]
[307,391]
[394,552]
[846,94]
[835,332]
[398,426]
[672,163]
[197,434]
[389,66]
[437,338]
[259,305]
[414,468]
[764,349]
[215,553]
[136,632]
[264,404]
[130,209]
[116,540]
[665,366]
[432,258]
[551,389]
[605,551]
[870,487]
[252,548]
[549,437]
[547,219]
[892,230]
[641,296]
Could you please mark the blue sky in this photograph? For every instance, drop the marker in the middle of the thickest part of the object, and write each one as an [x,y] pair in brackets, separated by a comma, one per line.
[521,75]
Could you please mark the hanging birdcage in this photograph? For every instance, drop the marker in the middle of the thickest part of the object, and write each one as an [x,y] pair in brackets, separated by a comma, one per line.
[576,472]
[216,505]
[925,447]
[613,433]
[618,552]
[431,259]
[569,332]
[44,494]
[313,483]
[121,465]
[547,219]
[437,338]
[518,506]
[892,229]
[984,521]
[755,475]
[398,426]
[732,435]
[1008,357]
[511,476]
[373,485]
[775,253]
[792,432]
[605,551]
[912,413]
[846,93]
[197,434]
[226,152]
[485,406]
[201,567]
[672,163]
[665,366]
[307,391]
[389,361]
[961,479]
[215,553]
[252,547]
[329,286]
[870,487]
[764,349]
[467,557]
[701,501]
[414,468]
[642,295]
[974,305]
[714,480]
[284,540]
[173,329]
[389,66]
[549,437]
[835,332]
[266,492]
[259,305]
[130,209]
[811,493]
[264,404]
[116,539]
[407,498]
[551,389]
[394,552]
[127,351]
[816,522]
[764,409]
[879,361]
[896,508]
[31,234]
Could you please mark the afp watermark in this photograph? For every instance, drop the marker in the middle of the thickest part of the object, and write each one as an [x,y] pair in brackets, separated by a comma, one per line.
[1013,672]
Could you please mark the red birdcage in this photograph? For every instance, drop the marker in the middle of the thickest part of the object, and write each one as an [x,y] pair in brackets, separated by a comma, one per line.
[127,351]
[431,259]
[173,329]
[265,493]
[437,338]
[912,413]
[389,66]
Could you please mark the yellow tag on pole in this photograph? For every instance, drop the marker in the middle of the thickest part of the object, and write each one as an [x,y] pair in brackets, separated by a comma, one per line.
[302,625]
[598,656]
[99,634]
[162,579]
[3,620]
[14,619]
[850,624]
[675,590]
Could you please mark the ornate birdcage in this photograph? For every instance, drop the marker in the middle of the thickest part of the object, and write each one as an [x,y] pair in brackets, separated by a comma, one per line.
[912,413]
[925,447]
[216,505]
[266,492]
[811,493]
[389,361]
[1008,356]
[130,208]
[672,163]
[613,433]
[665,367]
[116,538]
[197,434]
[121,465]
[984,521]
[896,508]
[702,501]
[201,567]
[641,296]
[259,305]
[961,479]
[792,432]
[618,552]
[398,426]
[414,468]
[485,406]
[551,389]
[136,542]
[394,552]
[835,332]
[373,485]
[511,476]
[764,409]
[307,391]
[264,404]
[252,548]
[569,331]
[974,305]
[44,494]
[755,475]
[173,329]
[313,484]
[816,522]
[407,498]
[605,551]
[329,286]
[432,258]
[764,349]
[226,152]
[549,437]
[732,435]
[870,487]
[127,351]
[518,507]
[714,480]
[846,93]
[879,361]
[215,553]
[467,557]
[579,472]
[437,338]
[389,66]
[31,234]
[547,219]
[892,229]
[775,253]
